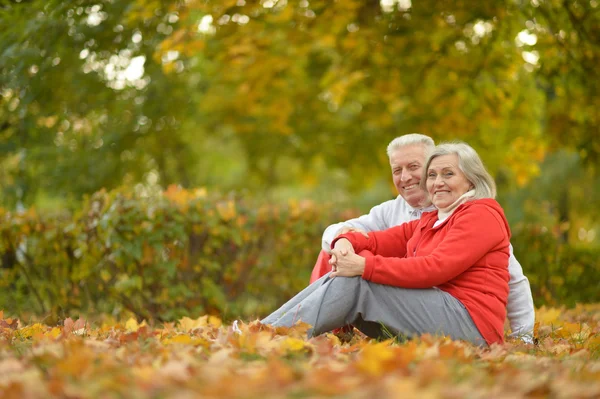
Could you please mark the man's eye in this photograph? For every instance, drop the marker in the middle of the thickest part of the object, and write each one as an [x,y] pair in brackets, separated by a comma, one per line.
[431,175]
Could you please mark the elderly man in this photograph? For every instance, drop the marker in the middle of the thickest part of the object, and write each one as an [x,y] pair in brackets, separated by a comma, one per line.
[408,155]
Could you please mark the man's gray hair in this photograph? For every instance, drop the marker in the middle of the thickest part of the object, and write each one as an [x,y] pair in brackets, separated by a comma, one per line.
[471,165]
[410,139]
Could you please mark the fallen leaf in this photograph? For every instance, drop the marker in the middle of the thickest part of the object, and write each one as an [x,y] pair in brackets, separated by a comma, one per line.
[375,359]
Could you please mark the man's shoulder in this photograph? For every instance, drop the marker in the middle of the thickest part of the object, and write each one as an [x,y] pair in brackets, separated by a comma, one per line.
[394,206]
[392,212]
[397,202]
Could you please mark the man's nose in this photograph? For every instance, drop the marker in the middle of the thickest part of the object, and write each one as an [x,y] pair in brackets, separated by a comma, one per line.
[405,175]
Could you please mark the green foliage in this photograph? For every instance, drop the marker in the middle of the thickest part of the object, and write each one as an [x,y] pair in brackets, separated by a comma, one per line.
[181,252]
[554,220]
[569,49]
[341,79]
[558,273]
[283,94]
[70,111]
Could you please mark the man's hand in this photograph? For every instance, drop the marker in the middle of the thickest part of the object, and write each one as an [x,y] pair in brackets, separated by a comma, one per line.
[345,230]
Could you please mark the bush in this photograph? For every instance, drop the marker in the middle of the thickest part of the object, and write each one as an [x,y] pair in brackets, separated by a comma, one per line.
[559,273]
[190,252]
[183,252]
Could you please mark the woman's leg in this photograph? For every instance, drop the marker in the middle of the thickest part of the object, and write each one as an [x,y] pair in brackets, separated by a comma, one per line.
[413,312]
[336,302]
[290,305]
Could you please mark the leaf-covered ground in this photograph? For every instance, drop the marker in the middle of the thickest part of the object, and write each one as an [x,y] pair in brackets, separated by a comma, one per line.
[204,358]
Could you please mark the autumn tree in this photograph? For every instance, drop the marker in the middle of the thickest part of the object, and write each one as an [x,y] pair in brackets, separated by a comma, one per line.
[266,94]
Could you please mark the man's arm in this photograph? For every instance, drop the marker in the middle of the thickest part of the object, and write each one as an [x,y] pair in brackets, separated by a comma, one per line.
[519,308]
[380,217]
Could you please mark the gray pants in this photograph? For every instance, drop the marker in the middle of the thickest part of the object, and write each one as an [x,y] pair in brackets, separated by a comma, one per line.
[330,303]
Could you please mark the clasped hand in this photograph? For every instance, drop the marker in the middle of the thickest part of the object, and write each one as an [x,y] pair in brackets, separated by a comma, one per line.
[344,261]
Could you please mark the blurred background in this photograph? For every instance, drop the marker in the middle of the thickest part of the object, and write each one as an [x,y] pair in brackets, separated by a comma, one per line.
[285,101]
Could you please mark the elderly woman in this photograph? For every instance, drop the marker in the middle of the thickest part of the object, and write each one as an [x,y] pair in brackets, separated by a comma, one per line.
[446,273]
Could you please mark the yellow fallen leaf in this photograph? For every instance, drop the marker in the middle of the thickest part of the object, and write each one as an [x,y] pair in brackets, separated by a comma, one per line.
[184,339]
[374,357]
[76,361]
[573,330]
[176,370]
[293,344]
[144,373]
[335,341]
[260,342]
[214,321]
[593,342]
[28,332]
[548,316]
[178,339]
[54,333]
[188,324]
[132,325]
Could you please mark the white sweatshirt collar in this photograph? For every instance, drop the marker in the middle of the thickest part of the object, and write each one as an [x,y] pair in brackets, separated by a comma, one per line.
[444,213]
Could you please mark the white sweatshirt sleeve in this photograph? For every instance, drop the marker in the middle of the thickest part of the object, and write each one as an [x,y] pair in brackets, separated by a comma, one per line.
[380,217]
[519,308]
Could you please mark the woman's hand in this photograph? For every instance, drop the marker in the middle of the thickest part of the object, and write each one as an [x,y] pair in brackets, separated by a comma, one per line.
[344,261]
[348,265]
[342,248]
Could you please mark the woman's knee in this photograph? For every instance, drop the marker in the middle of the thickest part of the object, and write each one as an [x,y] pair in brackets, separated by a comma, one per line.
[346,283]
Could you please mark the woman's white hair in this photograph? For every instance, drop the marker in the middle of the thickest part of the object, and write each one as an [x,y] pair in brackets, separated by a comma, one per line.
[410,139]
[470,164]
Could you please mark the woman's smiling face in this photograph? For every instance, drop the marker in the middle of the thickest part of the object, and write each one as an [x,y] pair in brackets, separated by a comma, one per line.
[445,181]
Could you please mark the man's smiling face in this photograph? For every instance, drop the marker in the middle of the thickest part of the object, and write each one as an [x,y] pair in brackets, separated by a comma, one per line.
[407,167]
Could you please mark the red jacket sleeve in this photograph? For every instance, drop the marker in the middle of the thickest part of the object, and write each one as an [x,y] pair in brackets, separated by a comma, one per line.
[475,231]
[391,242]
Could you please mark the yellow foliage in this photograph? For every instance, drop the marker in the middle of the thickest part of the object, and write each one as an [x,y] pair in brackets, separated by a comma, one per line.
[524,158]
[226,210]
[142,10]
